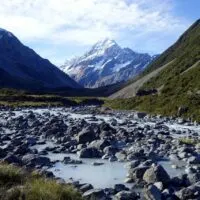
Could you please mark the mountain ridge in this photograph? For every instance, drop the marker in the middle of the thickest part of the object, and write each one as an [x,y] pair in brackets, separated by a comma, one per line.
[106,63]
[26,68]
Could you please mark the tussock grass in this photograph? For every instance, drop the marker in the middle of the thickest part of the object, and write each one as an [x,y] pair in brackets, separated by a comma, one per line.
[17,184]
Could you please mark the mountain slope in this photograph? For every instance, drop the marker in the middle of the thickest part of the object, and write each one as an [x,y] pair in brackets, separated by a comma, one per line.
[21,67]
[177,81]
[105,64]
[178,58]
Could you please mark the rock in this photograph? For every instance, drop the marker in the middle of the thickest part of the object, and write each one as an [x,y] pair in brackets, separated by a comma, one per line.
[33,160]
[156,173]
[109,150]
[137,173]
[133,164]
[126,195]
[85,136]
[97,163]
[68,160]
[194,160]
[12,159]
[90,152]
[94,194]
[86,187]
[185,194]
[159,185]
[152,193]
[120,187]
[121,156]
[113,159]
[99,144]
[2,153]
[141,115]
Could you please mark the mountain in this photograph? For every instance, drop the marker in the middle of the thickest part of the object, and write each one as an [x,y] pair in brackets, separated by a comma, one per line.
[21,67]
[171,82]
[106,63]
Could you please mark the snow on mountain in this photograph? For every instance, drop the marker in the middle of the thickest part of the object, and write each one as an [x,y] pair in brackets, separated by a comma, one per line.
[106,63]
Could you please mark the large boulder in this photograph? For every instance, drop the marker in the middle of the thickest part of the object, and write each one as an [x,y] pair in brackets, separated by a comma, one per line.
[156,173]
[85,136]
[137,173]
[194,160]
[126,195]
[90,152]
[152,193]
[99,144]
[34,160]
[94,194]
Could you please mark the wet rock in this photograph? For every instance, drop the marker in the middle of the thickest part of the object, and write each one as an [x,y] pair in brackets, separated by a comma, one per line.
[133,164]
[12,159]
[121,156]
[85,136]
[120,187]
[34,160]
[2,153]
[156,173]
[68,160]
[90,152]
[95,194]
[97,163]
[86,187]
[126,195]
[109,150]
[140,115]
[99,144]
[152,193]
[137,173]
[194,160]
[112,159]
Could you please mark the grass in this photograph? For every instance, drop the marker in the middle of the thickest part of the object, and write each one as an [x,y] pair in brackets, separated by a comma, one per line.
[10,175]
[17,184]
[189,141]
[178,83]
[49,190]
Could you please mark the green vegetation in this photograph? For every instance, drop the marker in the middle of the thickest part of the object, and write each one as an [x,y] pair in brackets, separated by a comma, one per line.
[189,141]
[16,184]
[14,98]
[178,84]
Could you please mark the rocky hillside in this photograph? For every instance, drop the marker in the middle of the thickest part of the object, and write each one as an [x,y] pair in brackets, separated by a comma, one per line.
[21,67]
[105,64]
[172,80]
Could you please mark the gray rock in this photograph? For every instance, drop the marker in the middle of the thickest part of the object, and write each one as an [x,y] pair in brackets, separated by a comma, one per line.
[194,160]
[152,193]
[86,187]
[90,152]
[85,136]
[126,195]
[156,173]
[34,160]
[94,194]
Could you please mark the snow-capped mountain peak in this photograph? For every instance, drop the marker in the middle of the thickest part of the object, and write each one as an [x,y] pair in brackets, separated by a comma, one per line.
[106,63]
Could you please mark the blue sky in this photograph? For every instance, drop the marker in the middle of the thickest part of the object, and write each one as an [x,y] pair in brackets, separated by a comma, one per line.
[61,29]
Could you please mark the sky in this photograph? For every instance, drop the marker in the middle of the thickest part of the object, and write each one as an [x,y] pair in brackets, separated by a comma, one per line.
[61,29]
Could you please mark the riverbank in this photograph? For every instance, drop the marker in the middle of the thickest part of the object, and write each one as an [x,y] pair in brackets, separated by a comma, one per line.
[89,147]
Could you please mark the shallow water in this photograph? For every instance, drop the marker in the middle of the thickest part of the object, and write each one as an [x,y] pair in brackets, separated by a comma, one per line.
[103,176]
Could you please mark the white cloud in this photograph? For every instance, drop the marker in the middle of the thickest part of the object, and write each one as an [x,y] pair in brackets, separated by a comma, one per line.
[85,21]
